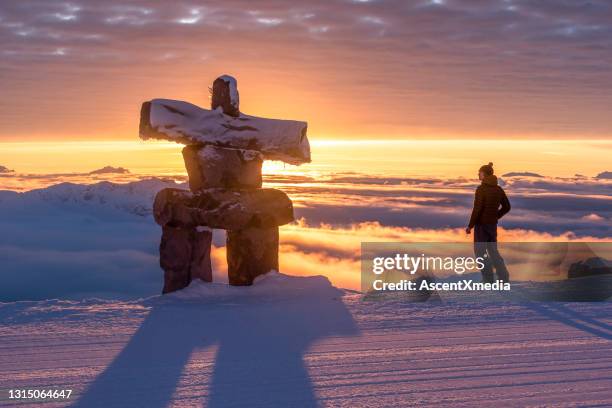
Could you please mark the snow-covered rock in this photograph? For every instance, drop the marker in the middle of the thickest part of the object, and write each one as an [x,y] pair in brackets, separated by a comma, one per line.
[225,95]
[186,123]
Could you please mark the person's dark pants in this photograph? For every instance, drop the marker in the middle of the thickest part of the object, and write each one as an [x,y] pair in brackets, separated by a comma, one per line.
[485,246]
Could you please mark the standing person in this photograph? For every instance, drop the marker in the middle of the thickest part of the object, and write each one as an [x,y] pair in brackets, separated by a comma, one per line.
[490,204]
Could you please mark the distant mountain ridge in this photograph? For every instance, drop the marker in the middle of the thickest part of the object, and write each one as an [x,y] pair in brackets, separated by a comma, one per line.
[590,267]
[522,174]
[110,170]
[135,198]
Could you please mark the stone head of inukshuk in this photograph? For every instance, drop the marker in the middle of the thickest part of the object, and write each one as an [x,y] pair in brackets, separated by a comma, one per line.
[223,155]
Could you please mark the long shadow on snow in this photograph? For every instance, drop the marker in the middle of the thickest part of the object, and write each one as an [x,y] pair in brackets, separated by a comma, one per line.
[564,314]
[259,361]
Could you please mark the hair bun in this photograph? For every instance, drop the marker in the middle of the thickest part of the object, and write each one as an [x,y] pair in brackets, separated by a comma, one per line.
[491,164]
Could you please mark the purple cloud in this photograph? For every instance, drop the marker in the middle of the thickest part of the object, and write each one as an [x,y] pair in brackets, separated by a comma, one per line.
[81,68]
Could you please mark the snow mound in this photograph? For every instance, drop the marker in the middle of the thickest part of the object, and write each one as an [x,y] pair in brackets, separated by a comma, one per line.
[271,286]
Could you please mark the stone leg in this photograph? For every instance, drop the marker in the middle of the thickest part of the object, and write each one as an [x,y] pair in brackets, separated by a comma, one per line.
[251,252]
[184,255]
[201,267]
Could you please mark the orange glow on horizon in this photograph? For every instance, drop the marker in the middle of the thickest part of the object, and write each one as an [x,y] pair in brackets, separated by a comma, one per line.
[402,158]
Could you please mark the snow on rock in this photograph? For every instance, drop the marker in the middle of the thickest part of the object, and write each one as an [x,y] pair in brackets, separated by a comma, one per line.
[233,90]
[186,123]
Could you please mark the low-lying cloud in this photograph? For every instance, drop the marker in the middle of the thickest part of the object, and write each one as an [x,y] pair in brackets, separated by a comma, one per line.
[81,240]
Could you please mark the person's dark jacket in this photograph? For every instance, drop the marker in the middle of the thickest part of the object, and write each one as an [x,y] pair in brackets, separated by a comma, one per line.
[490,203]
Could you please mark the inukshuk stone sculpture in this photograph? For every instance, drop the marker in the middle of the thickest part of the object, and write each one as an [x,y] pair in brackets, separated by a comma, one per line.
[223,155]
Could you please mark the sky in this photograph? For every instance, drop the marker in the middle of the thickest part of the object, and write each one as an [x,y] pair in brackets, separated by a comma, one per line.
[79,70]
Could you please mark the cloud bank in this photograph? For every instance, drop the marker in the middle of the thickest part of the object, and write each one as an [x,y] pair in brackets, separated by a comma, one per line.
[81,240]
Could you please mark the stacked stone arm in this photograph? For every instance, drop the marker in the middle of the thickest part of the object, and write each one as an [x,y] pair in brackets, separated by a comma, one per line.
[186,123]
[223,209]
